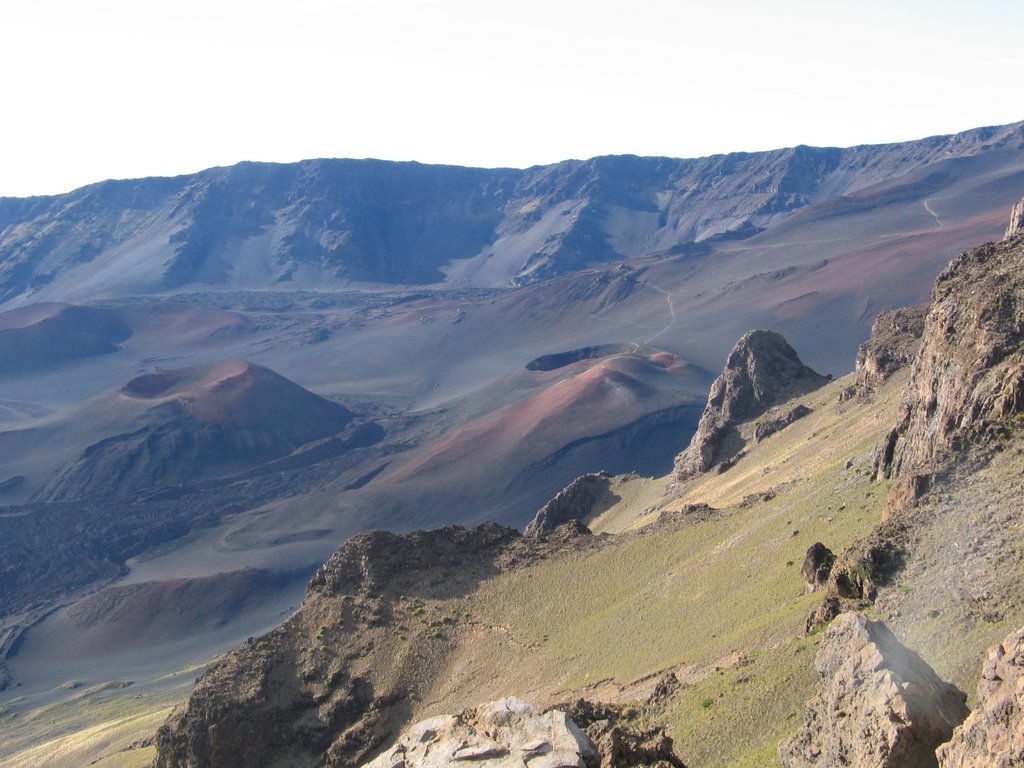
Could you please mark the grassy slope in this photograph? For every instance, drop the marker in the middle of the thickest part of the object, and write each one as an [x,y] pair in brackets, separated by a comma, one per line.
[94,726]
[720,601]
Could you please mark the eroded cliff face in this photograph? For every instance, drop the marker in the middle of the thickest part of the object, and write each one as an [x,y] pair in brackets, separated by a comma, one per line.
[762,371]
[324,222]
[967,385]
[962,405]
[894,343]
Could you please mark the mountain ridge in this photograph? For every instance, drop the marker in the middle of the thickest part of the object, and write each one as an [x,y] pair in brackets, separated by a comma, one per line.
[340,220]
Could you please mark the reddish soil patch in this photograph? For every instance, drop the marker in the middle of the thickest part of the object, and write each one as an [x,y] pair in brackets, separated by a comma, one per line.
[153,612]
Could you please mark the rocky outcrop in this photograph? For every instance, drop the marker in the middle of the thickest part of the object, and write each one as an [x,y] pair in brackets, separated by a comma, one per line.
[623,746]
[968,381]
[1016,220]
[336,681]
[574,502]
[619,739]
[964,398]
[328,686]
[993,736]
[895,340]
[762,370]
[778,419]
[509,733]
[878,705]
[817,565]
[501,734]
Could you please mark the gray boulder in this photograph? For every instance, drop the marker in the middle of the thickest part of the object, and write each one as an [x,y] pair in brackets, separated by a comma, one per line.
[507,733]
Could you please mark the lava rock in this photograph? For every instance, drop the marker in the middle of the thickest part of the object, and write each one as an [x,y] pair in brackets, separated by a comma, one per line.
[968,380]
[1016,220]
[574,502]
[993,736]
[878,705]
[762,370]
[777,421]
[817,565]
[894,342]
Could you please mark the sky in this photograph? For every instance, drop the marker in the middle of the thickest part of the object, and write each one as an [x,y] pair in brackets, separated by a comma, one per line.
[131,88]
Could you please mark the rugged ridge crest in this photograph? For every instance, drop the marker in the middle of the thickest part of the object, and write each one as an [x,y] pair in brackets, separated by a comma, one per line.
[333,683]
[320,222]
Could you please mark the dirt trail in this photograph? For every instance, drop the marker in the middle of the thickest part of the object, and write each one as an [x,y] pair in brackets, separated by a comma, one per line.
[928,207]
[671,311]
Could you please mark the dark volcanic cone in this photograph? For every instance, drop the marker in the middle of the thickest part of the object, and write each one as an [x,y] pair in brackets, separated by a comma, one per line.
[198,423]
[44,336]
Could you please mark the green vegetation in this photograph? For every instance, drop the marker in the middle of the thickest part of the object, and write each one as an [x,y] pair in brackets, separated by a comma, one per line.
[752,707]
[700,597]
[92,727]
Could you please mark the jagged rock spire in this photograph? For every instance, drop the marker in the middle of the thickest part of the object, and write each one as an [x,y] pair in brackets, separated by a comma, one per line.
[762,370]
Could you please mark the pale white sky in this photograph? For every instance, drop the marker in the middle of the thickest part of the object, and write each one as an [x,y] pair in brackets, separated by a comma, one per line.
[125,88]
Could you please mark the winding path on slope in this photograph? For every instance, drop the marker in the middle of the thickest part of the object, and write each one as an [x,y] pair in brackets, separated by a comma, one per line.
[671,310]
